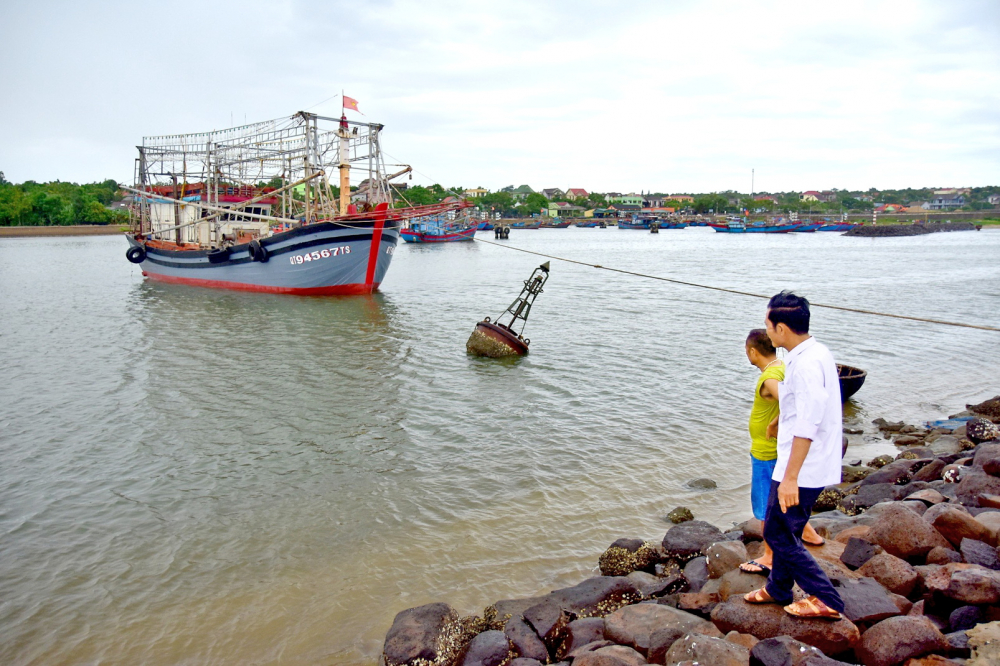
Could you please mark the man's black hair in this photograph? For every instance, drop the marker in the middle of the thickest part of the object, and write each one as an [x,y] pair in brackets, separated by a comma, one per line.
[791,310]
[758,340]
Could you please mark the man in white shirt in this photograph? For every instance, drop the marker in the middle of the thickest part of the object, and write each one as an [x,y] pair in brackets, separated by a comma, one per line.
[810,429]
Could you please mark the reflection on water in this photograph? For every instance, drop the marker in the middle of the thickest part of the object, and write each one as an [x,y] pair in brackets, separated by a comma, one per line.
[206,476]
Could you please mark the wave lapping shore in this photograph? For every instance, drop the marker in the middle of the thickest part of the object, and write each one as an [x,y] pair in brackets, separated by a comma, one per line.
[910,543]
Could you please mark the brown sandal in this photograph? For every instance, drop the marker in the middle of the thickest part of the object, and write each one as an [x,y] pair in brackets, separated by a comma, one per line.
[758,597]
[811,607]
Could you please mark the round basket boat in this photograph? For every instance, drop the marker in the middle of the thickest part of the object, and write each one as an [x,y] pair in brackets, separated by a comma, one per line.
[851,379]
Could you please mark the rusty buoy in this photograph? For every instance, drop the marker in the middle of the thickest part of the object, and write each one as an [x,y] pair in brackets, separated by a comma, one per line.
[497,338]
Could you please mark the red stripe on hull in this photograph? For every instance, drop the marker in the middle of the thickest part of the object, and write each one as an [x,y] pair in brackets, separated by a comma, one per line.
[333,290]
[376,246]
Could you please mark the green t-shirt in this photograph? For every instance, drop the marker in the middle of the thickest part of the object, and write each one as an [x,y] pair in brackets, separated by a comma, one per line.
[763,413]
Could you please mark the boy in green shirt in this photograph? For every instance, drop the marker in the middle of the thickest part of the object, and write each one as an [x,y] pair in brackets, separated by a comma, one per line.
[763,439]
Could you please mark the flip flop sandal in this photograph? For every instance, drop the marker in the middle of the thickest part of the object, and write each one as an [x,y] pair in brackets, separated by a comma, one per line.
[758,597]
[811,607]
[761,569]
[822,542]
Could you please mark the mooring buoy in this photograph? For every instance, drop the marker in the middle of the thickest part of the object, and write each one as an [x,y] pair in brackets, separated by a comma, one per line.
[496,338]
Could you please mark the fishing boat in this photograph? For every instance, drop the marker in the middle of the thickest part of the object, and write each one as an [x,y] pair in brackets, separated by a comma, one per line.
[807,227]
[526,225]
[437,230]
[561,224]
[587,225]
[251,208]
[484,226]
[851,379]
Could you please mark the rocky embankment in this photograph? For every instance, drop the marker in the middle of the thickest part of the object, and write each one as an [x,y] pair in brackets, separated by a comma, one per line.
[911,544]
[875,231]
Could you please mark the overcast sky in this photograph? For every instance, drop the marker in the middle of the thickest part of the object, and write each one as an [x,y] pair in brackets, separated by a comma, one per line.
[669,96]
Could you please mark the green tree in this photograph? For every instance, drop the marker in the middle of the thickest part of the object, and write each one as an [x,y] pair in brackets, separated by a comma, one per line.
[533,203]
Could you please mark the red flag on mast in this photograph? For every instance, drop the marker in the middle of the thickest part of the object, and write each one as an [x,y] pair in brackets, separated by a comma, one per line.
[351,103]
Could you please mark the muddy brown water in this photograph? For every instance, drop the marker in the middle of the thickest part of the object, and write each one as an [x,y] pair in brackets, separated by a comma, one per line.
[198,476]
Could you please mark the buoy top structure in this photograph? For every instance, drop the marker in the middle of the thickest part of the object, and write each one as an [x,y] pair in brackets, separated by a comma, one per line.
[499,338]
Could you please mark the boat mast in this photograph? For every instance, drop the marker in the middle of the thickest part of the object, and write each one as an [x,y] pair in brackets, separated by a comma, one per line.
[345,164]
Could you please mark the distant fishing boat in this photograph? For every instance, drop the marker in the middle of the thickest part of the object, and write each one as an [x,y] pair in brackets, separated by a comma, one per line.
[524,225]
[587,225]
[251,208]
[807,227]
[556,225]
[484,226]
[437,230]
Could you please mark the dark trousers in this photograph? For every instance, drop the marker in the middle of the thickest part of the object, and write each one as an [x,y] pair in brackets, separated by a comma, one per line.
[792,562]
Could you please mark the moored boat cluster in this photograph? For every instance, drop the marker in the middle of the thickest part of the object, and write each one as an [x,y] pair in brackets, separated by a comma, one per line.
[911,545]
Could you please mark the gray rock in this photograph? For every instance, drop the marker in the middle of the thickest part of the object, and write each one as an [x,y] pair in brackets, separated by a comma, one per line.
[896,639]
[739,582]
[651,586]
[696,573]
[852,473]
[489,648]
[660,642]
[975,585]
[865,600]
[724,556]
[524,641]
[580,633]
[881,461]
[897,472]
[958,642]
[681,514]
[858,551]
[930,472]
[704,650]
[868,496]
[965,617]
[981,553]
[498,614]
[420,633]
[687,540]
[524,661]
[828,499]
[701,484]
[956,525]
[783,651]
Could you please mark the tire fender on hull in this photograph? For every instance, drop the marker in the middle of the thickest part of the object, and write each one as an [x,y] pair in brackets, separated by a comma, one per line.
[136,254]
[258,252]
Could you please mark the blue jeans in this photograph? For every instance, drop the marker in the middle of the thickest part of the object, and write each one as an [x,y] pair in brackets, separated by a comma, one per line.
[760,484]
[792,562]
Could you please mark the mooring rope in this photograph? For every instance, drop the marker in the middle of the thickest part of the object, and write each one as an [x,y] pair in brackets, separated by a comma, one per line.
[742,293]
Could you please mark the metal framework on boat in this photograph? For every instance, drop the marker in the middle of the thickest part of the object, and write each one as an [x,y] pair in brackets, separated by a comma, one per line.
[287,162]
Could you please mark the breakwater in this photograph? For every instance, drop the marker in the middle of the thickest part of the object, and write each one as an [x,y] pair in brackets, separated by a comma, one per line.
[910,543]
[884,231]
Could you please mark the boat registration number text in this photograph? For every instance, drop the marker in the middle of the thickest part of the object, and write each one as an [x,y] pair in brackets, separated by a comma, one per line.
[320,254]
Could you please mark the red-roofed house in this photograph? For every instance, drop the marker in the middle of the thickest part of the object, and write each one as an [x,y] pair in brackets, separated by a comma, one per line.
[811,195]
[577,193]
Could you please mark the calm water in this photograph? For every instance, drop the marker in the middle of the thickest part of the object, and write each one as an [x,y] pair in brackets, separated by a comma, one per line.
[196,476]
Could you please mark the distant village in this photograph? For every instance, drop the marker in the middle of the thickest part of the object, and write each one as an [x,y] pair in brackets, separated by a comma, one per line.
[575,202]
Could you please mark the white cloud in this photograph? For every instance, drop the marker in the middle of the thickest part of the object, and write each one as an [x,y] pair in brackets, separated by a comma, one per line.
[678,96]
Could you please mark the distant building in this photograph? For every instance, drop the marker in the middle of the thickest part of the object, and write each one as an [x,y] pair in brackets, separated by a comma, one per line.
[518,193]
[577,193]
[631,200]
[811,195]
[683,198]
[553,193]
[827,196]
[993,199]
[563,209]
[890,208]
[948,198]
[766,197]
[475,193]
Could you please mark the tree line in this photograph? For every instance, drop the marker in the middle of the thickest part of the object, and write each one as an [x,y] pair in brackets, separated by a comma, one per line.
[32,204]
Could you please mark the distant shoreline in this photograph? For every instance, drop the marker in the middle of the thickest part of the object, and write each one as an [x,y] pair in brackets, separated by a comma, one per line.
[72,230]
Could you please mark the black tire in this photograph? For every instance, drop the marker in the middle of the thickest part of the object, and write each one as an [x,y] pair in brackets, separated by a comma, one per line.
[136,254]
[218,256]
[258,252]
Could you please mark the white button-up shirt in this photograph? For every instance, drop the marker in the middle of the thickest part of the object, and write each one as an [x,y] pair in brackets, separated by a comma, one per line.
[809,400]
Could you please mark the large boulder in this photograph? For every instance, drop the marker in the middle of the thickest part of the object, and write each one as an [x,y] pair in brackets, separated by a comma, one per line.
[893,573]
[633,625]
[897,472]
[988,408]
[868,496]
[489,648]
[724,556]
[955,525]
[931,471]
[771,620]
[597,596]
[739,582]
[858,551]
[865,601]
[650,586]
[980,430]
[497,614]
[973,482]
[897,639]
[422,636]
[904,534]
[704,650]
[686,541]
